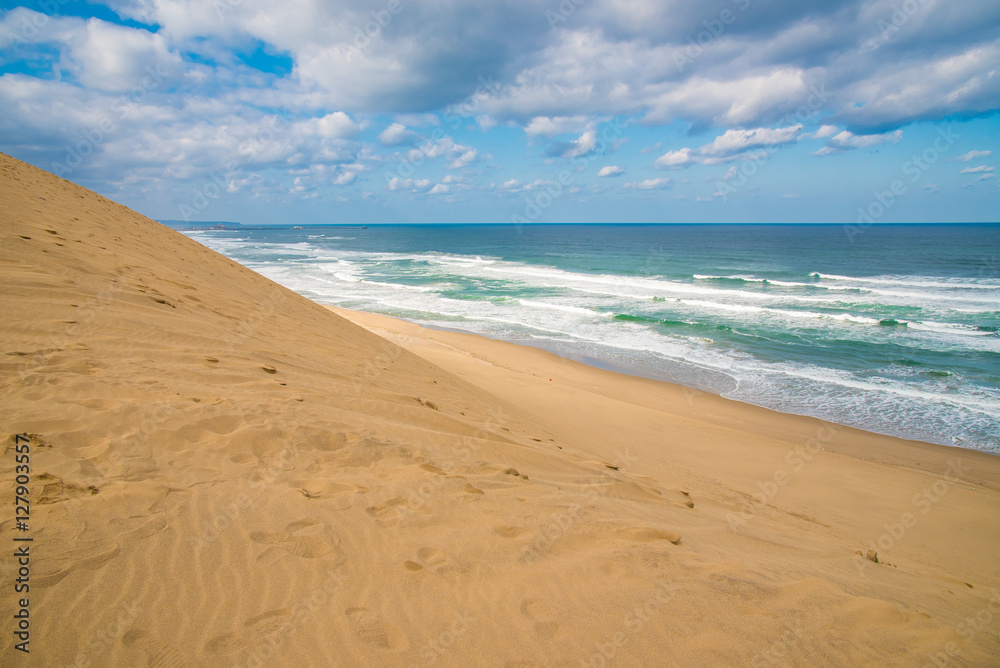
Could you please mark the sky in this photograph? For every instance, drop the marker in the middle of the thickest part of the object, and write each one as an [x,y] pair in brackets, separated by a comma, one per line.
[671,111]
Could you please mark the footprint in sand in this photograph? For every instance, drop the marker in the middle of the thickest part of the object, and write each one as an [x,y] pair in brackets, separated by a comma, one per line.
[373,630]
[55,490]
[253,629]
[542,615]
[391,512]
[649,535]
[307,538]
[87,556]
[157,652]
[439,562]
[510,532]
[336,494]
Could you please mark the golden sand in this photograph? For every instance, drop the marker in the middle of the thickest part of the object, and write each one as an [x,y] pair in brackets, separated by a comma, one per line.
[225,473]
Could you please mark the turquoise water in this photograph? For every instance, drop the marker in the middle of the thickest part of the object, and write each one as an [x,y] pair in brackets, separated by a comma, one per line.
[892,329]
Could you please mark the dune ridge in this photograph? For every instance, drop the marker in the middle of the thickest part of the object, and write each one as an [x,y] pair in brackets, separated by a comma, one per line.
[225,473]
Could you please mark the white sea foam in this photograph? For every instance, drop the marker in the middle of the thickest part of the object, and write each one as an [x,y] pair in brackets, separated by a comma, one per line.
[917,281]
[565,308]
[575,309]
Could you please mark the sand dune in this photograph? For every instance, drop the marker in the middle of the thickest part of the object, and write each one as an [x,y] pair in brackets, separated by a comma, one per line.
[225,473]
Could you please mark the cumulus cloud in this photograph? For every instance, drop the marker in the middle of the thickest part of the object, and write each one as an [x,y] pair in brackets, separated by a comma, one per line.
[337,125]
[581,146]
[614,59]
[550,127]
[110,57]
[846,140]
[768,80]
[486,122]
[675,159]
[464,160]
[931,87]
[976,170]
[610,170]
[412,185]
[345,178]
[650,184]
[516,186]
[396,134]
[729,146]
[737,141]
[973,155]
[443,146]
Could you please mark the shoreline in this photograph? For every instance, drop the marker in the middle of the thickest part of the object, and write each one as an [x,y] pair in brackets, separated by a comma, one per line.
[223,471]
[588,360]
[780,336]
[883,448]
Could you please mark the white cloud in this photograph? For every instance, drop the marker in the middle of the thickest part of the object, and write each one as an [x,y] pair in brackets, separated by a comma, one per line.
[515,186]
[976,170]
[396,134]
[345,178]
[486,122]
[610,170]
[650,184]
[736,141]
[846,140]
[464,159]
[753,88]
[110,57]
[614,59]
[414,185]
[584,145]
[973,155]
[742,101]
[929,86]
[443,146]
[728,146]
[337,125]
[675,159]
[439,189]
[550,127]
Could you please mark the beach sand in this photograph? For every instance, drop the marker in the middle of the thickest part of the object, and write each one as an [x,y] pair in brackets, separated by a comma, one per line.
[225,473]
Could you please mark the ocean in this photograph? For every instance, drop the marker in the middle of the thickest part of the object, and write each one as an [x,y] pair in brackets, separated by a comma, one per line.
[891,328]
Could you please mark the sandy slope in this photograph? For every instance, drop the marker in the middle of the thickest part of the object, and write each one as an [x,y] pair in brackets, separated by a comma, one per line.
[224,473]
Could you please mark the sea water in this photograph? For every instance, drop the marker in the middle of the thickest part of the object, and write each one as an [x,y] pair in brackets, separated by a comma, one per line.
[890,328]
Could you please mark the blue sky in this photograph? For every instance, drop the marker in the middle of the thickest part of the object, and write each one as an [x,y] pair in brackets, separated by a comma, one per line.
[556,111]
